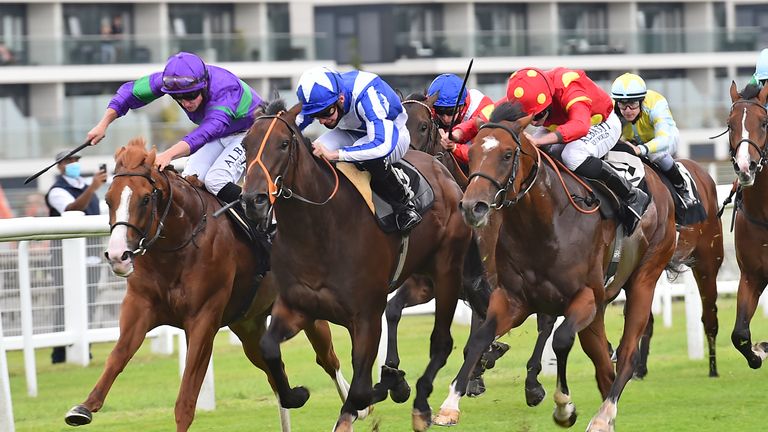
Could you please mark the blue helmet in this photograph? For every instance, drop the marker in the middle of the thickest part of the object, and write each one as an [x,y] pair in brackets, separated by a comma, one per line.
[449,86]
[761,69]
[318,88]
[184,73]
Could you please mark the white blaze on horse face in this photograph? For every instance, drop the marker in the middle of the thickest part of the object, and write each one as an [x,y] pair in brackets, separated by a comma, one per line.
[118,240]
[742,154]
[489,143]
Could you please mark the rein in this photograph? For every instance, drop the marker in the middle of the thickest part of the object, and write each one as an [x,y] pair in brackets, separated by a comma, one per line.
[277,188]
[557,166]
[145,244]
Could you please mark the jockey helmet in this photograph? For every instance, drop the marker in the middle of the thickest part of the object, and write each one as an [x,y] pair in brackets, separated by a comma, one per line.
[761,69]
[318,89]
[449,86]
[184,73]
[628,87]
[530,88]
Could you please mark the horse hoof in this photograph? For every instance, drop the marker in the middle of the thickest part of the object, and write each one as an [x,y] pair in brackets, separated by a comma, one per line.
[296,398]
[534,396]
[446,417]
[363,414]
[714,374]
[401,392]
[640,373]
[495,352]
[421,420]
[476,387]
[570,415]
[78,416]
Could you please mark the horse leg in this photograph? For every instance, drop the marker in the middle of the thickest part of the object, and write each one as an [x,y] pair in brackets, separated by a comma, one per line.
[134,324]
[365,333]
[641,370]
[250,332]
[392,378]
[534,391]
[747,297]
[200,333]
[447,288]
[319,335]
[504,314]
[579,314]
[595,344]
[705,272]
[637,309]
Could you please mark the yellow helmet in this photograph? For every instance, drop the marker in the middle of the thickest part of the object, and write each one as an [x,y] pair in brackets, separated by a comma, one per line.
[628,87]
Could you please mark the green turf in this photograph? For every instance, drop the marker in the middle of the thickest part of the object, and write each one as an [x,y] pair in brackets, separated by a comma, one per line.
[677,395]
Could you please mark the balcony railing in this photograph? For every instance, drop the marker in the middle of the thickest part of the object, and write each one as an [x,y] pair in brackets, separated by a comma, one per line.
[285,47]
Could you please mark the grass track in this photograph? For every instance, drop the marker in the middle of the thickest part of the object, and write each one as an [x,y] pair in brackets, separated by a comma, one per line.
[677,395]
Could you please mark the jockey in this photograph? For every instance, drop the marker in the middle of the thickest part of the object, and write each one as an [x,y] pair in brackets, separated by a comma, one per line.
[575,116]
[474,107]
[649,127]
[760,77]
[367,123]
[216,100]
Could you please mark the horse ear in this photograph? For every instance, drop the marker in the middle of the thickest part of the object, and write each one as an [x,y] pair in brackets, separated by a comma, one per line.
[431,100]
[150,159]
[524,122]
[763,96]
[734,92]
[118,153]
[295,110]
[400,94]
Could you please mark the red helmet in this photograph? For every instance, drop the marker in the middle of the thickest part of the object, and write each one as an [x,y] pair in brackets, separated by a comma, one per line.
[530,87]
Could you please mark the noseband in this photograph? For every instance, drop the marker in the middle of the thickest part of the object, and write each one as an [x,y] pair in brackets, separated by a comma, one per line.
[143,243]
[500,199]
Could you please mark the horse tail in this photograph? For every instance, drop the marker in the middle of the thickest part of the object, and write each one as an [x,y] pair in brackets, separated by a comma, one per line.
[677,265]
[477,290]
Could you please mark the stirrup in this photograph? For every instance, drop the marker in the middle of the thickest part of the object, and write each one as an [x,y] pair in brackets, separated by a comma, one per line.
[407,219]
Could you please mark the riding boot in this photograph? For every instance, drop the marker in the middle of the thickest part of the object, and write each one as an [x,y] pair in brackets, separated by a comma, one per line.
[674,175]
[231,193]
[635,199]
[385,182]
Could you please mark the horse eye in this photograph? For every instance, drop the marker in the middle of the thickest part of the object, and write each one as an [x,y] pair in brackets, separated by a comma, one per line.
[424,127]
[284,144]
[508,155]
[145,200]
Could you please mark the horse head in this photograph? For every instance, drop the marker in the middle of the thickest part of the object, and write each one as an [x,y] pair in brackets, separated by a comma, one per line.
[747,125]
[271,147]
[421,123]
[134,201]
[496,166]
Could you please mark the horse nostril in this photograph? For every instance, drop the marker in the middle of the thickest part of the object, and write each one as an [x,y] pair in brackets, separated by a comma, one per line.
[261,199]
[126,255]
[481,208]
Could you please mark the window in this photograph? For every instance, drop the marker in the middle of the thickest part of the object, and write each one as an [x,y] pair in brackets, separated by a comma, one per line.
[583,26]
[19,94]
[660,26]
[98,33]
[12,33]
[419,30]
[501,29]
[203,29]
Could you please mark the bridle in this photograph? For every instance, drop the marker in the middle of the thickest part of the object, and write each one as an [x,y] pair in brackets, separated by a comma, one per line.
[277,188]
[155,195]
[500,199]
[433,139]
[761,151]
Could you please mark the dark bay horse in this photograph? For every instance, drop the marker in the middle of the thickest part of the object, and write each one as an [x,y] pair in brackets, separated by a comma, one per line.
[331,261]
[747,126]
[186,269]
[552,259]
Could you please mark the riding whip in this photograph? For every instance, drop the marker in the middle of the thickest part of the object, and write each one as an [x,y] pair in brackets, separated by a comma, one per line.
[458,99]
[39,173]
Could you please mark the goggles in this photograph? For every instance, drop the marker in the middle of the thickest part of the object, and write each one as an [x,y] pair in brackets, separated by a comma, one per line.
[635,104]
[186,96]
[326,113]
[541,115]
[446,111]
[174,83]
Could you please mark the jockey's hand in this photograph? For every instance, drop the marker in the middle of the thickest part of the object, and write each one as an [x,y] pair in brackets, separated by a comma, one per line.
[445,141]
[531,139]
[457,135]
[635,148]
[163,159]
[319,150]
[96,134]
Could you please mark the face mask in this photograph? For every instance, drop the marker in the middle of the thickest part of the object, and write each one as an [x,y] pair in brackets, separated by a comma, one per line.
[72,170]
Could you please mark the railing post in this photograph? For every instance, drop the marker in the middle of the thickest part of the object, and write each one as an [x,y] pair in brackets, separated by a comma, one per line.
[6,407]
[75,298]
[694,327]
[25,300]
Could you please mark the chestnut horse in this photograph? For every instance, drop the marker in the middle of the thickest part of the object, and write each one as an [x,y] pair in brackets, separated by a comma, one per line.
[552,259]
[332,261]
[747,126]
[186,269]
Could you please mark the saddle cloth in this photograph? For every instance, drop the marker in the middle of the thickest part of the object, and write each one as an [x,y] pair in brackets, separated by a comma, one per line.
[693,214]
[416,184]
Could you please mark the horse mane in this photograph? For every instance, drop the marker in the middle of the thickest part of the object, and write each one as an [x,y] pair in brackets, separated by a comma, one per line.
[132,155]
[507,111]
[417,96]
[275,107]
[750,91]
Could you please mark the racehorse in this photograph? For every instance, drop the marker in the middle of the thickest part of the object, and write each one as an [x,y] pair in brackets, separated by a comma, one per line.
[426,138]
[186,269]
[331,261]
[747,125]
[551,258]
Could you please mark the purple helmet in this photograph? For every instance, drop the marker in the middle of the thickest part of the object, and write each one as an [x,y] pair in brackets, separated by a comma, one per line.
[184,73]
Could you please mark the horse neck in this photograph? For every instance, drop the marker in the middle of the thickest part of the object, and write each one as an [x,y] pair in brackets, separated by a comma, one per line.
[755,196]
[534,214]
[185,213]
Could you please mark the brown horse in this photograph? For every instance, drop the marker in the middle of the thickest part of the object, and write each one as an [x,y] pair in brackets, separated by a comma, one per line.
[186,269]
[331,260]
[552,259]
[747,126]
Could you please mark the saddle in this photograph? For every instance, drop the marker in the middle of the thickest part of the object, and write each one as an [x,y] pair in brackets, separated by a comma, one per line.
[693,214]
[416,184]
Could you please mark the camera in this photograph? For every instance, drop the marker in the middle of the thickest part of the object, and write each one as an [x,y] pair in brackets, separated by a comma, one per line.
[103,167]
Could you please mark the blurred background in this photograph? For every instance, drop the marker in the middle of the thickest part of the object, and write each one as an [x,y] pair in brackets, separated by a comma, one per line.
[61,61]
